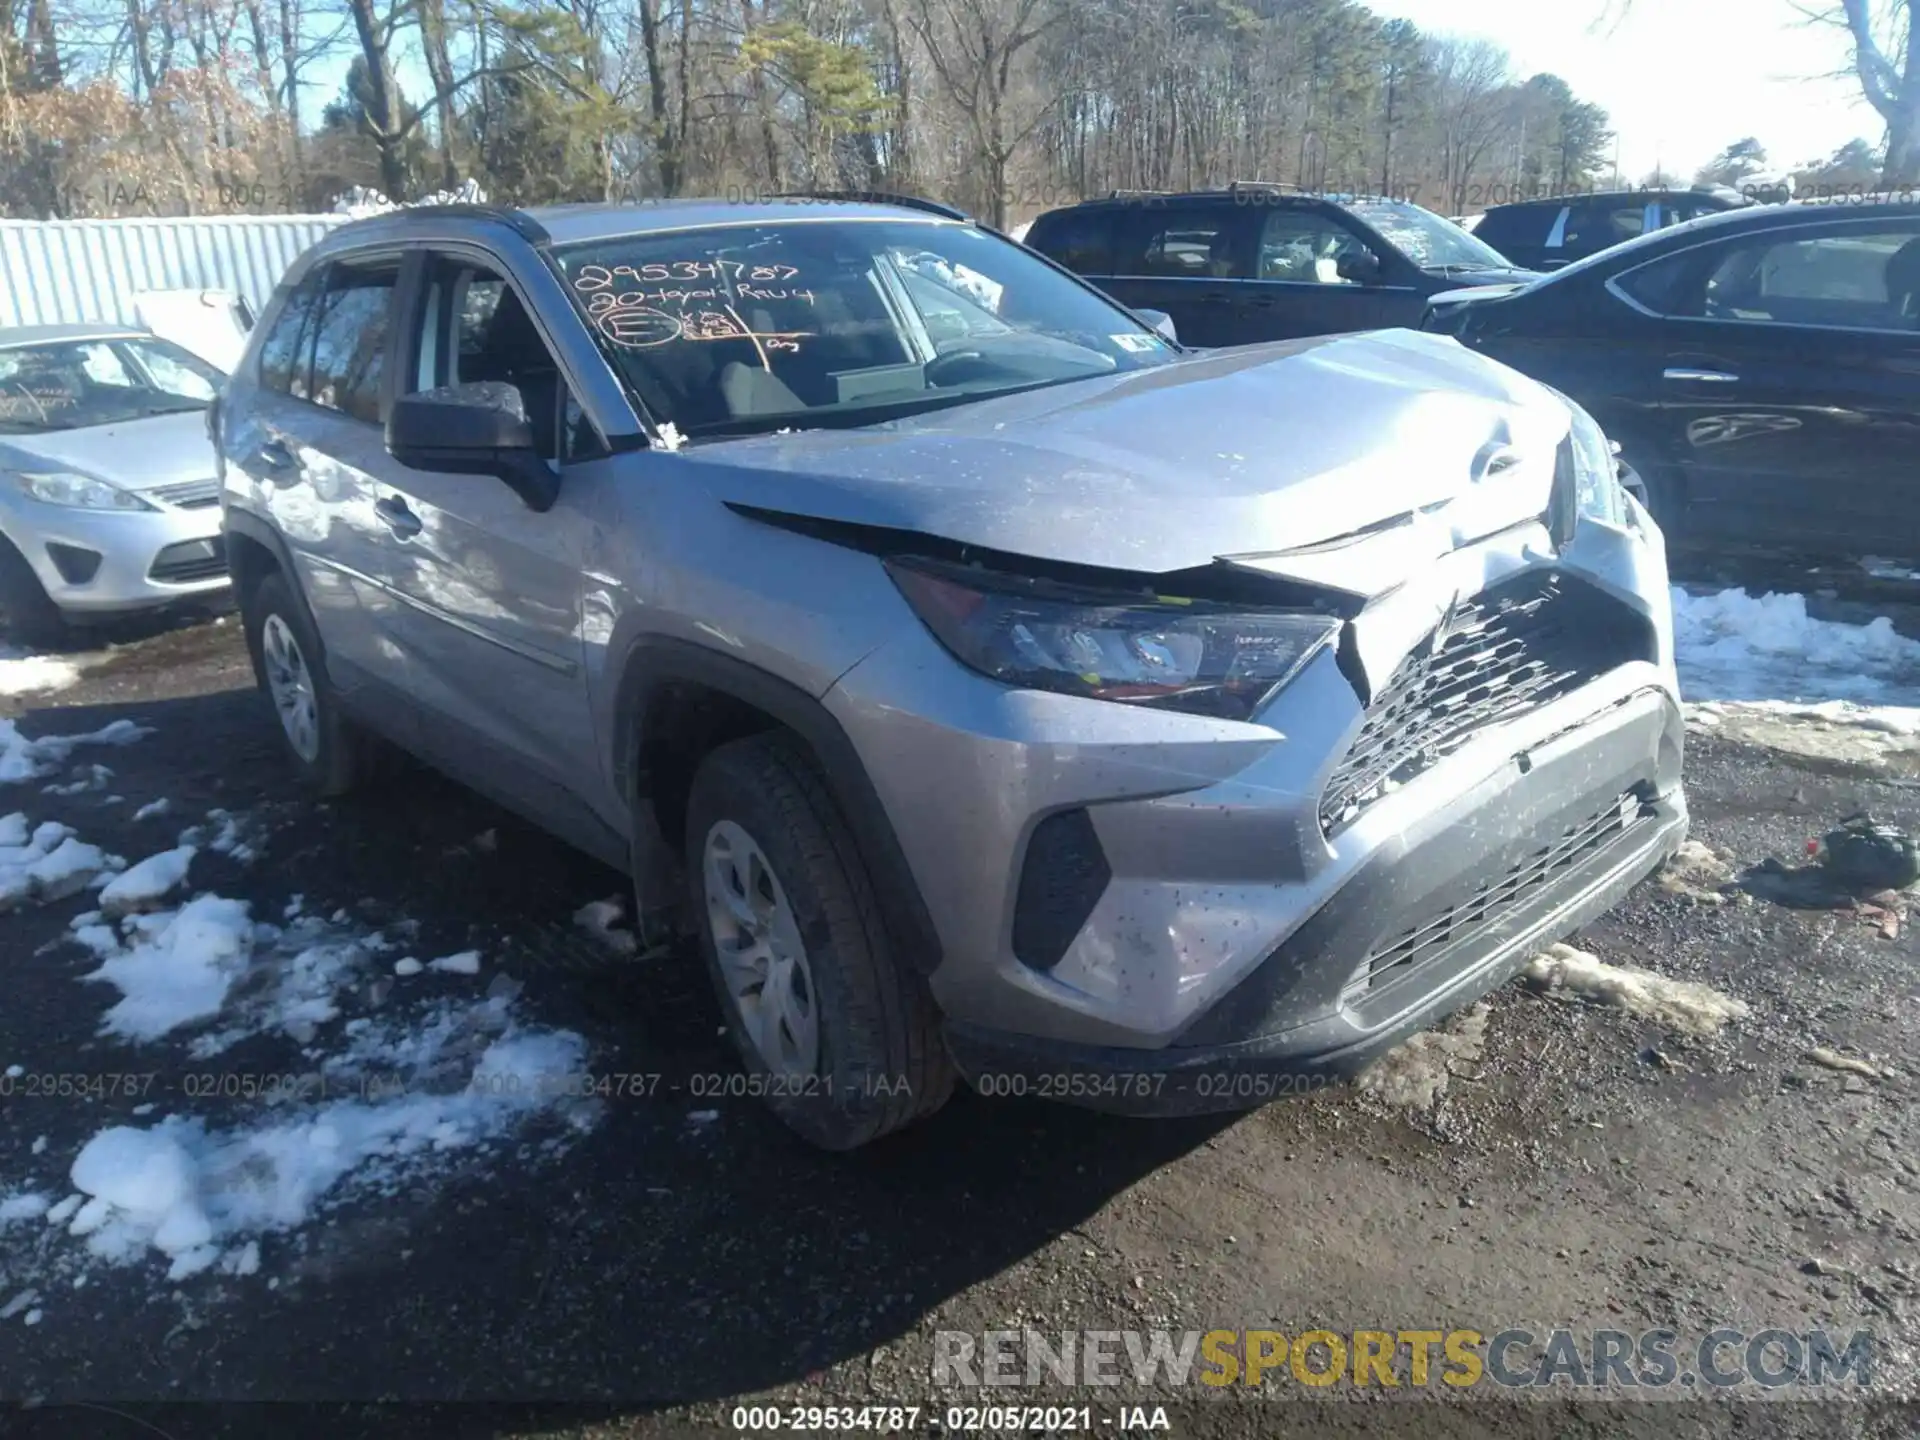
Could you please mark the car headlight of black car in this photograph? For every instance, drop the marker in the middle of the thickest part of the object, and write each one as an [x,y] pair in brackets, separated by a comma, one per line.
[1162,652]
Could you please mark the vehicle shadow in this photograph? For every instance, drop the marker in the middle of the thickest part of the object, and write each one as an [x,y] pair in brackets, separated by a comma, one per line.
[686,1249]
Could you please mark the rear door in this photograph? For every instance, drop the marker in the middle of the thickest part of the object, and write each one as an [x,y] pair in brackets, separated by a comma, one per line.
[310,445]
[1791,388]
[1193,260]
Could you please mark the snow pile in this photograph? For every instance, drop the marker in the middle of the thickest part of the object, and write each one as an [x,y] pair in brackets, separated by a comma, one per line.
[152,879]
[199,1195]
[1415,1075]
[1676,1004]
[94,778]
[225,834]
[173,968]
[24,759]
[24,674]
[48,863]
[384,1101]
[359,202]
[1732,646]
[599,917]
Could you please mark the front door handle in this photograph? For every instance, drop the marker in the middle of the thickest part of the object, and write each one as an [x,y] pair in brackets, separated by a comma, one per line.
[1703,377]
[275,458]
[395,514]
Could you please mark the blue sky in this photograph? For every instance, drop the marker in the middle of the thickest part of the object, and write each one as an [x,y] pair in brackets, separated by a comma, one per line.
[1682,79]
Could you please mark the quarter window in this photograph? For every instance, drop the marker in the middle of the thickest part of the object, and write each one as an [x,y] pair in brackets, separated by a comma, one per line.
[285,355]
[1082,241]
[350,339]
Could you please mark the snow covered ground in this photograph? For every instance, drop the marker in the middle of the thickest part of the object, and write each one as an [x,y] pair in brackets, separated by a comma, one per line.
[1732,646]
[391,1074]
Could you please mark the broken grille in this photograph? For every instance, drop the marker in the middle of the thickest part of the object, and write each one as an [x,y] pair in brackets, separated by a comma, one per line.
[1509,650]
[1466,920]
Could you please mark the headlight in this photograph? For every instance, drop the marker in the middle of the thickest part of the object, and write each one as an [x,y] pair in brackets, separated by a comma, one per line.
[81,492]
[1596,478]
[1151,650]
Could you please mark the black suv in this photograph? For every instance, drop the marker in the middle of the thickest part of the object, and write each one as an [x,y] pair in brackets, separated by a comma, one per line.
[1548,233]
[1263,262]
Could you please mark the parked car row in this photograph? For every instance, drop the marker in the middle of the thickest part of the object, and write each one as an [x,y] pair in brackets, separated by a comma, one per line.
[1757,365]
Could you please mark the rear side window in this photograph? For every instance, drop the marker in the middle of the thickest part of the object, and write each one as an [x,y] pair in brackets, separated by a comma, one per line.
[285,355]
[1081,240]
[1194,242]
[350,338]
[1596,226]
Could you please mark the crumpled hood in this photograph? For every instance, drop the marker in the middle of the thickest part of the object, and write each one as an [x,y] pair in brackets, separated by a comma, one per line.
[133,454]
[1238,452]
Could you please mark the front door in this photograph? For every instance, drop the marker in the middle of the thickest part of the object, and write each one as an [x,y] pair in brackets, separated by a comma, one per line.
[1791,390]
[1316,275]
[489,630]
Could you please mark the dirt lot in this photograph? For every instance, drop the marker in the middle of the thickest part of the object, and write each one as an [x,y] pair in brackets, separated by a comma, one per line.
[672,1254]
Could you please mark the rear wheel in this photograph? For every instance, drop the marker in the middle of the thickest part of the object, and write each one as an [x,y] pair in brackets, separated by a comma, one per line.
[839,1037]
[327,749]
[26,614]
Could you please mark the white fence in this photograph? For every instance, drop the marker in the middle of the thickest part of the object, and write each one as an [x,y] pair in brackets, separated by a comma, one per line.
[63,271]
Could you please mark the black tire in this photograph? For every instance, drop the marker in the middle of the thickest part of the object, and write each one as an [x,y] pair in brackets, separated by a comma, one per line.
[342,758]
[882,1060]
[26,614]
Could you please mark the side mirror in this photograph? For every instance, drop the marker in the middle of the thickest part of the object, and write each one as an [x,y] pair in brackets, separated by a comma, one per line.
[1362,267]
[1161,322]
[476,429]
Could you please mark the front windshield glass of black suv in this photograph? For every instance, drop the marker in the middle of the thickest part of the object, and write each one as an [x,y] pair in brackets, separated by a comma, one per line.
[73,384]
[749,327]
[1431,241]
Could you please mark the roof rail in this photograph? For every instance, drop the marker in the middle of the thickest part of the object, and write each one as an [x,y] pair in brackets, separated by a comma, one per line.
[1284,185]
[516,220]
[876,197]
[1123,194]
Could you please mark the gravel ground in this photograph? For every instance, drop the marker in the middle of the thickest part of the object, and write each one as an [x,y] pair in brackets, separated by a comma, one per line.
[1582,1167]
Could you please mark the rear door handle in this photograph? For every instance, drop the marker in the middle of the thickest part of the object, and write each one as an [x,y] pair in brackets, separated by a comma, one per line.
[1702,377]
[395,514]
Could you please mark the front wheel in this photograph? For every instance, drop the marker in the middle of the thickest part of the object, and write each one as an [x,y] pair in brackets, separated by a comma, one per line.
[839,1037]
[329,752]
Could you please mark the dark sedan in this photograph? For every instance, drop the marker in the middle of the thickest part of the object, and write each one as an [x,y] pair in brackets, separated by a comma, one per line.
[1760,370]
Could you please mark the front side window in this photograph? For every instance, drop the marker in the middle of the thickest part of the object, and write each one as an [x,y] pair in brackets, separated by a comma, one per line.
[1307,247]
[1857,279]
[77,384]
[769,326]
[350,338]
[475,328]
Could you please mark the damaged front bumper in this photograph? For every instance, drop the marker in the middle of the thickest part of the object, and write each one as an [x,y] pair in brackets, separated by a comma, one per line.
[1439,913]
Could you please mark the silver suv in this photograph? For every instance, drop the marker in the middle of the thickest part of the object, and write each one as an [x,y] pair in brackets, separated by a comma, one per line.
[997,688]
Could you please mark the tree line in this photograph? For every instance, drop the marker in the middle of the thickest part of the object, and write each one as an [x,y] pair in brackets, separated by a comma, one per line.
[1004,107]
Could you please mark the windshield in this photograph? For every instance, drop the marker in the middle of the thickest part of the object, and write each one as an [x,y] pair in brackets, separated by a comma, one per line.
[795,324]
[74,384]
[1431,241]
